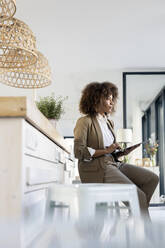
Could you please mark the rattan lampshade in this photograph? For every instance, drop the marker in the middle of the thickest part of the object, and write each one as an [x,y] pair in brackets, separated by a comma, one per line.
[17,44]
[7,9]
[34,76]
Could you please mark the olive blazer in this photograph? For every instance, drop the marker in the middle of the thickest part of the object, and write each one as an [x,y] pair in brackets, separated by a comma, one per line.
[87,133]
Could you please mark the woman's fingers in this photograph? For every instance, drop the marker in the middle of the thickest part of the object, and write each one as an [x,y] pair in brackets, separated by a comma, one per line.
[113,147]
[117,146]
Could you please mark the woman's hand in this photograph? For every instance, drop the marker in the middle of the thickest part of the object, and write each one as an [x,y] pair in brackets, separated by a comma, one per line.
[108,149]
[112,148]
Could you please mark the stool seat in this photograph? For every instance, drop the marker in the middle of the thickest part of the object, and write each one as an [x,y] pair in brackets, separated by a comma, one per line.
[82,198]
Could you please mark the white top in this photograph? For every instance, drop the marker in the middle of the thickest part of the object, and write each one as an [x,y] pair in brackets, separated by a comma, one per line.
[108,137]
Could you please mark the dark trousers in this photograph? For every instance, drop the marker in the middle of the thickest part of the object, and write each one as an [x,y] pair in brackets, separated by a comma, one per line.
[145,180]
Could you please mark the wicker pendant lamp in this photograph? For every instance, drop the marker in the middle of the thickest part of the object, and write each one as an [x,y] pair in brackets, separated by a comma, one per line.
[34,76]
[17,44]
[7,9]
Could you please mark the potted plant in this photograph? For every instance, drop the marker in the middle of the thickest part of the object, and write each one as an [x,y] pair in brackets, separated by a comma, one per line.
[51,107]
[151,149]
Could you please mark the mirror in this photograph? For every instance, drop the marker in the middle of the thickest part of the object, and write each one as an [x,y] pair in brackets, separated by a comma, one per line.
[144,113]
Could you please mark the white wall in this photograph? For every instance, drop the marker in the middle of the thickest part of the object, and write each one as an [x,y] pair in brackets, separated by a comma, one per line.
[6,90]
[137,133]
[71,85]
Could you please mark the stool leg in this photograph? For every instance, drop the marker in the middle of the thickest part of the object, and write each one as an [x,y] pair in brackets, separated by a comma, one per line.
[81,208]
[86,208]
[102,210]
[117,208]
[134,206]
[74,209]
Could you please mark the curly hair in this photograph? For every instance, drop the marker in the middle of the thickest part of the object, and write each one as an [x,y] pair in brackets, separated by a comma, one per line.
[92,94]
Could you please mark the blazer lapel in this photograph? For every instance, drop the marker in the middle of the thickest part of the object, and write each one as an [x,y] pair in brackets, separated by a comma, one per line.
[112,130]
[98,132]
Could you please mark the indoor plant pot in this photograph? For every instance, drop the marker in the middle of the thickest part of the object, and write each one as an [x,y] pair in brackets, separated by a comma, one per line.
[51,107]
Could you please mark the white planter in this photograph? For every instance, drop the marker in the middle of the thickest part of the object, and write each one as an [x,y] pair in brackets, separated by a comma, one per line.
[53,122]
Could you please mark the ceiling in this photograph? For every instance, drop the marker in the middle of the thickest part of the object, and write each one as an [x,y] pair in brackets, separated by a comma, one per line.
[89,35]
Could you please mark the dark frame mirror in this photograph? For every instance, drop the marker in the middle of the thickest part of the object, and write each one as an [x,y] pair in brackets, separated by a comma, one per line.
[157,105]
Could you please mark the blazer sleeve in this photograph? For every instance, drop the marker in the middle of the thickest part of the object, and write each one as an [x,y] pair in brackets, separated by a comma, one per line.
[80,139]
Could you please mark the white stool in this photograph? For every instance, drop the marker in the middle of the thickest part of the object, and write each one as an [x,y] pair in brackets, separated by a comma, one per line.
[82,198]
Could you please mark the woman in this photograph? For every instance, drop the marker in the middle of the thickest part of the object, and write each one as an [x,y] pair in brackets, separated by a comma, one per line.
[95,142]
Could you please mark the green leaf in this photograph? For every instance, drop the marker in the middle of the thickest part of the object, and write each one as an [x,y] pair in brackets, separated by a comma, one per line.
[51,106]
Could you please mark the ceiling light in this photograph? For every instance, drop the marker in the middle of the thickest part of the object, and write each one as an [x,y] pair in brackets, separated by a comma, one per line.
[7,9]
[17,44]
[34,76]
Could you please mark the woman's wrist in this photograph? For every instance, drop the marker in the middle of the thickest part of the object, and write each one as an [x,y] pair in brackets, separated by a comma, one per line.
[100,152]
[106,151]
